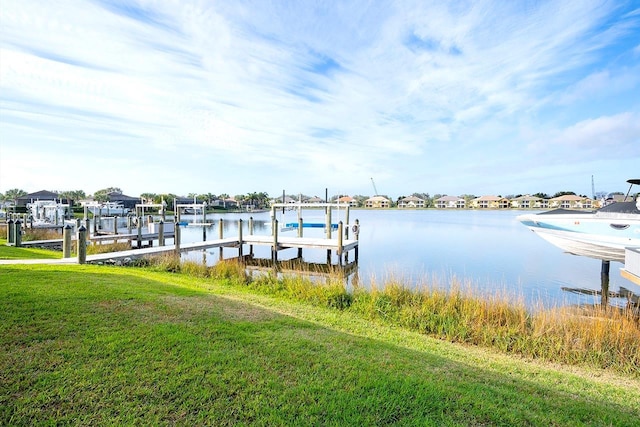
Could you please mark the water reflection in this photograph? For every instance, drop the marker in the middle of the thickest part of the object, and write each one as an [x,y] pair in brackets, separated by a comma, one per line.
[490,250]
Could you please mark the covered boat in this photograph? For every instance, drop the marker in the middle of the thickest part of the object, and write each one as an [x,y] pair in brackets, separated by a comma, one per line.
[603,234]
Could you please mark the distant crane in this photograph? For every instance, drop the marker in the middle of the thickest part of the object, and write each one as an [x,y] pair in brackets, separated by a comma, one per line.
[375,190]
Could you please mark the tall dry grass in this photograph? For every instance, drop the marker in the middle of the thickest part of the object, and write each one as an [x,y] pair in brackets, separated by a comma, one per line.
[602,337]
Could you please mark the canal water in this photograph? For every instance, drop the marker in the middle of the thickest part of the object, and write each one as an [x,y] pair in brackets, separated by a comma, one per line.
[489,252]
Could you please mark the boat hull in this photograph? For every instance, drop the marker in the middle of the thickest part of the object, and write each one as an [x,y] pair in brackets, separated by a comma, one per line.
[604,237]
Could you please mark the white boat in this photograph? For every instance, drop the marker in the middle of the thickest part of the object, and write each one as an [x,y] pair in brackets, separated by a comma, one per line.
[46,213]
[603,234]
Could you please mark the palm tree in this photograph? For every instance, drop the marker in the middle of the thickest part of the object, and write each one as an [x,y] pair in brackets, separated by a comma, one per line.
[14,194]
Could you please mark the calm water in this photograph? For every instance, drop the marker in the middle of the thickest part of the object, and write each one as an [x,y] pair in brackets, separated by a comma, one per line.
[489,250]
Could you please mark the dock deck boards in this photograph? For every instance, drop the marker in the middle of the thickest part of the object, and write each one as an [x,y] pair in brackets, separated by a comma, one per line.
[283,243]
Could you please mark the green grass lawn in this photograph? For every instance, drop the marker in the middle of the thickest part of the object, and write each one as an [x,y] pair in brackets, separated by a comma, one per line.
[11,252]
[98,345]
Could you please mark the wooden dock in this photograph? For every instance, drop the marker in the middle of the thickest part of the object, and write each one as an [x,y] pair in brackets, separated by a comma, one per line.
[335,245]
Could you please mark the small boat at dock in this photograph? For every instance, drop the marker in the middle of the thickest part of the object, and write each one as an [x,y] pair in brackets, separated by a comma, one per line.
[602,234]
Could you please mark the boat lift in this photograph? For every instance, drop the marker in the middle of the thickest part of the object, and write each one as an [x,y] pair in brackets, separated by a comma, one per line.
[327,225]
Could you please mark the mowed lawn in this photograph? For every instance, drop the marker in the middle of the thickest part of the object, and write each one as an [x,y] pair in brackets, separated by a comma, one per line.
[98,345]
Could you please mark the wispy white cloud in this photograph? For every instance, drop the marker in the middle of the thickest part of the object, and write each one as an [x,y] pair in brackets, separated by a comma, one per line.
[314,94]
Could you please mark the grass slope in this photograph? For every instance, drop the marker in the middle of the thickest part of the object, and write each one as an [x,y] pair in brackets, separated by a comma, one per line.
[105,345]
[11,252]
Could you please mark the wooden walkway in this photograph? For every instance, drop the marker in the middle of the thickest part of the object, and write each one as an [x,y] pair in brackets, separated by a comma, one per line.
[230,242]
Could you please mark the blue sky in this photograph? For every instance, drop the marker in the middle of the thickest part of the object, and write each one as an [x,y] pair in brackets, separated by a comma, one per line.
[456,97]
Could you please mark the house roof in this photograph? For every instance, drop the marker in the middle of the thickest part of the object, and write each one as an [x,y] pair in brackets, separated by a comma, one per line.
[345,199]
[41,195]
[490,198]
[378,199]
[412,199]
[119,197]
[526,197]
[569,198]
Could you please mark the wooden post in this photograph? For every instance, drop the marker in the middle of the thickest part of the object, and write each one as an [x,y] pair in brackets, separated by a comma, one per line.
[17,234]
[356,234]
[220,236]
[300,233]
[66,241]
[274,248]
[346,221]
[328,222]
[87,222]
[604,283]
[176,239]
[11,239]
[240,238]
[82,245]
[115,225]
[340,242]
[161,233]
[251,234]
[139,233]
[328,231]
[129,224]
[96,219]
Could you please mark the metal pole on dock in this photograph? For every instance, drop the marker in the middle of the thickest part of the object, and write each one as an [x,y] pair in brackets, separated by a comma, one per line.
[82,245]
[66,241]
[115,225]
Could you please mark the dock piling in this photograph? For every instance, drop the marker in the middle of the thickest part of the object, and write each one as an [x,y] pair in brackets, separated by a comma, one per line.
[82,245]
[10,232]
[17,234]
[66,241]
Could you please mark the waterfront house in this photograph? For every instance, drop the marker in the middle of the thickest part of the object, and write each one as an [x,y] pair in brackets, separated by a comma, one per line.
[490,202]
[125,201]
[42,195]
[348,200]
[411,202]
[450,202]
[377,202]
[571,201]
[526,202]
[313,200]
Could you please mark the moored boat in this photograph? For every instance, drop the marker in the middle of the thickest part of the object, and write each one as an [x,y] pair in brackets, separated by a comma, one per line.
[603,234]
